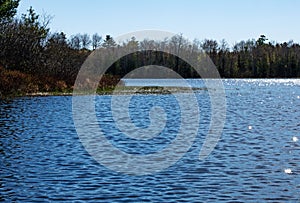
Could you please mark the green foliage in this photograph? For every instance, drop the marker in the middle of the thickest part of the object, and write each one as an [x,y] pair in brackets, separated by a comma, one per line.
[261,40]
[8,9]
[31,20]
[109,42]
[33,59]
[22,43]
[250,59]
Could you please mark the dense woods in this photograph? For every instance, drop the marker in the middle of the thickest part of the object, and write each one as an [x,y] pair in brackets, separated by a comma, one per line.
[32,58]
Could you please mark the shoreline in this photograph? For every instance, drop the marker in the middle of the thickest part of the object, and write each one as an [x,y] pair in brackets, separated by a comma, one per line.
[126,90]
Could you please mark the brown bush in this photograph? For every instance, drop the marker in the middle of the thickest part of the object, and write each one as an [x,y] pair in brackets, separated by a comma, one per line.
[13,82]
[17,83]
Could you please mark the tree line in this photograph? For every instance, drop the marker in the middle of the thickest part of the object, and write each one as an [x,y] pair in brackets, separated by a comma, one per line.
[28,45]
[246,59]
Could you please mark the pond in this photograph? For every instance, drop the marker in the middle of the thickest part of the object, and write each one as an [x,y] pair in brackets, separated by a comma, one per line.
[256,159]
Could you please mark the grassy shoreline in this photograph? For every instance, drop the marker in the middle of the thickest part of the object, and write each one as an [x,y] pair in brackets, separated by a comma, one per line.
[123,90]
[119,90]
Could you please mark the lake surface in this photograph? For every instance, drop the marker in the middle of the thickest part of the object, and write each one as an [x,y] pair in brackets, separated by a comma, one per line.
[43,159]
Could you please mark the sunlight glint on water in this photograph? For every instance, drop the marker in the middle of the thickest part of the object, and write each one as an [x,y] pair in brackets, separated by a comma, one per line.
[256,160]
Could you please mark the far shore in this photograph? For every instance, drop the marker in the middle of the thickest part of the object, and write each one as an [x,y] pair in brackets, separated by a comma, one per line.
[125,90]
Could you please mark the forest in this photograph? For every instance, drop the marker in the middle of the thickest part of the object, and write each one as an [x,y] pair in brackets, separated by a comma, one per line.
[34,59]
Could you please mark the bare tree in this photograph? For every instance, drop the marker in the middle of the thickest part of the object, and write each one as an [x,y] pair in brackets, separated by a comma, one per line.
[75,41]
[240,46]
[96,41]
[224,46]
[85,40]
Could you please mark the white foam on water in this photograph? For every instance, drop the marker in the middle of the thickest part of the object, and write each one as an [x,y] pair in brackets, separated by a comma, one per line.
[288,171]
[295,139]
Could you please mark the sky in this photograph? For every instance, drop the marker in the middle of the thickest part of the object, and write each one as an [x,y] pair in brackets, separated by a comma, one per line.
[232,20]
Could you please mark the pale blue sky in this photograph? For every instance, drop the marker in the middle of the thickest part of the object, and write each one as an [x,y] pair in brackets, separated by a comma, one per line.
[233,20]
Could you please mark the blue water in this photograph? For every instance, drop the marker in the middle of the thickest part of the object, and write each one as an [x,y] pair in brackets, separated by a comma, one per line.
[42,158]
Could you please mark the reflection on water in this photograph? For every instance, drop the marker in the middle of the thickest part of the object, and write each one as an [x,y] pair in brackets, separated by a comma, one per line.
[257,158]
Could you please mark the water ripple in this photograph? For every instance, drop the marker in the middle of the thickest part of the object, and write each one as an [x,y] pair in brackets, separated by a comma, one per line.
[42,158]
